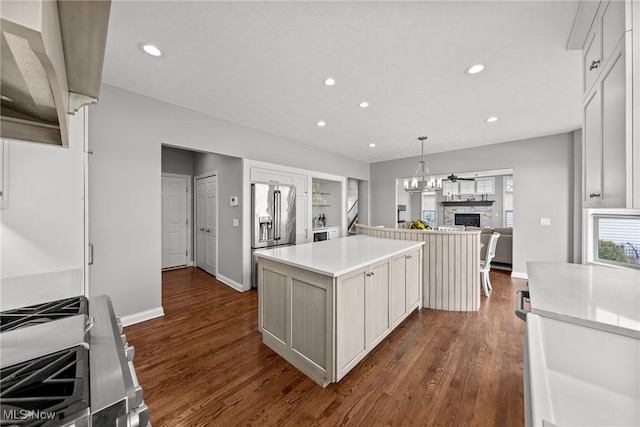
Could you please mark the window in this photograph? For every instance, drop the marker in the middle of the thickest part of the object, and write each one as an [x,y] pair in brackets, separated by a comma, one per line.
[508,184]
[485,185]
[429,218]
[508,219]
[467,187]
[508,201]
[612,237]
[449,187]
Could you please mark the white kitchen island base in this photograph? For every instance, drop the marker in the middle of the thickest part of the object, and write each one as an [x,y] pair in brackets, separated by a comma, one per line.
[324,306]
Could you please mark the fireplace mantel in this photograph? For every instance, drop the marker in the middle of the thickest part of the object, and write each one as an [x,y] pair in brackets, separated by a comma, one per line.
[468,203]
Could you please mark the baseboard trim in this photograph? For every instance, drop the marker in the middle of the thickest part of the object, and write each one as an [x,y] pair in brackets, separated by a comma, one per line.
[519,275]
[231,283]
[142,316]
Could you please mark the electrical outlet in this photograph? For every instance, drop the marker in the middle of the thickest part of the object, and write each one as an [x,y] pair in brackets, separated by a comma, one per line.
[545,221]
[236,223]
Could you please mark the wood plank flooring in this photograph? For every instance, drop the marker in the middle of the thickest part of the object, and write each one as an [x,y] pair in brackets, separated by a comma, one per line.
[203,364]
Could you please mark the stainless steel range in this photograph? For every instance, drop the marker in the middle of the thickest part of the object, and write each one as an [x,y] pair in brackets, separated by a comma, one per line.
[67,363]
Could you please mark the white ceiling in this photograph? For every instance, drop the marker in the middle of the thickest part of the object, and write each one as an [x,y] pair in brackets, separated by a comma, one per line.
[262,65]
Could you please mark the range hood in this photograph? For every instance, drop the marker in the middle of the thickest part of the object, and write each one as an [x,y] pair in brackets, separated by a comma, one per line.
[52,56]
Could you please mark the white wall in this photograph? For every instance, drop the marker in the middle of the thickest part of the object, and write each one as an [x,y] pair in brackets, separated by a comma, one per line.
[126,133]
[543,174]
[42,228]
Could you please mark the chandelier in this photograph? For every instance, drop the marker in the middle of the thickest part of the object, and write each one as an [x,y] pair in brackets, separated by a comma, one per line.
[419,182]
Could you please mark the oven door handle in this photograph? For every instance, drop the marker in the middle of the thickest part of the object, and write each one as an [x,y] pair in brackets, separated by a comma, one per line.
[520,311]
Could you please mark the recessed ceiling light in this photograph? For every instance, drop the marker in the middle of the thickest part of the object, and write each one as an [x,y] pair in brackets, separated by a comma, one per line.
[491,119]
[372,145]
[329,82]
[321,123]
[150,49]
[364,104]
[474,69]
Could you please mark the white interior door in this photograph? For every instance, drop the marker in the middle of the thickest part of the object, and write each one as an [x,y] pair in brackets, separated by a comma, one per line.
[174,221]
[206,223]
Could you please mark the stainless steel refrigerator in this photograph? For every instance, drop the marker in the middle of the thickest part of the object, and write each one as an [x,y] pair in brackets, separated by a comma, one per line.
[274,219]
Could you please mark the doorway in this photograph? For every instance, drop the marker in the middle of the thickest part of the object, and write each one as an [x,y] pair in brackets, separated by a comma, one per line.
[175,220]
[206,202]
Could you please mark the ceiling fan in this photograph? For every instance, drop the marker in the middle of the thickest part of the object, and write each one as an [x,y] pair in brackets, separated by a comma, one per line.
[453,178]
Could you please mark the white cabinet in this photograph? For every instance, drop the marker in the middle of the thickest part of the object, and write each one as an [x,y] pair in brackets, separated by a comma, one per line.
[405,285]
[607,30]
[271,175]
[606,130]
[362,310]
[334,232]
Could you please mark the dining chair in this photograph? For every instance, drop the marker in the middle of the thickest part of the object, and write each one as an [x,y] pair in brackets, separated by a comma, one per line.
[485,265]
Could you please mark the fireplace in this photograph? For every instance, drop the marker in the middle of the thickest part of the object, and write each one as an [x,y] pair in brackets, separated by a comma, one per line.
[471,219]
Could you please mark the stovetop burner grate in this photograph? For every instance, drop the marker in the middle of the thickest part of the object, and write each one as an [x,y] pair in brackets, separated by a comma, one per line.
[45,390]
[42,313]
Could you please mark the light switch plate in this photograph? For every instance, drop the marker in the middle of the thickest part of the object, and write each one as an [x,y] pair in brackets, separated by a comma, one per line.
[233,201]
[545,221]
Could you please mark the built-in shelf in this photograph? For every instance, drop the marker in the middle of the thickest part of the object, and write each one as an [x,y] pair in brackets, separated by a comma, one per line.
[315,204]
[468,203]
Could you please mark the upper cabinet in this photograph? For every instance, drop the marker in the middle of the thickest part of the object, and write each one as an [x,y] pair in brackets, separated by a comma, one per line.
[604,33]
[607,30]
[52,58]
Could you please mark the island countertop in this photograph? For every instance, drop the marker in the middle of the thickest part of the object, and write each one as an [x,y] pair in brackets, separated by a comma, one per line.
[339,256]
[598,297]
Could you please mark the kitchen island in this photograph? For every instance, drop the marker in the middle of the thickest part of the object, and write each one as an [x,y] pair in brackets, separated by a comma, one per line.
[324,306]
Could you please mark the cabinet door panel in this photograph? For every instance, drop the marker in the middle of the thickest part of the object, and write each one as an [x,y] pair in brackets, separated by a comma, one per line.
[613,27]
[590,58]
[302,220]
[274,314]
[592,173]
[268,175]
[377,300]
[350,315]
[613,135]
[413,281]
[398,288]
[309,321]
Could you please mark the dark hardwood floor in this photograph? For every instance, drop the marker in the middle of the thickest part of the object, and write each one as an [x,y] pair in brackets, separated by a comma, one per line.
[203,364]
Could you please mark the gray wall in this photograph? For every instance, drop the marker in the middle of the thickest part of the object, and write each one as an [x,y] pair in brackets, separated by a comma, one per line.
[126,132]
[543,175]
[229,184]
[178,161]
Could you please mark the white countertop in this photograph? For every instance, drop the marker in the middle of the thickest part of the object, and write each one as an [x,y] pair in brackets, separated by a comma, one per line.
[603,298]
[28,290]
[339,256]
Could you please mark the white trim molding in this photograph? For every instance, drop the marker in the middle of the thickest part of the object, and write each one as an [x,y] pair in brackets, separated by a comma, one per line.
[231,283]
[142,316]
[519,275]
